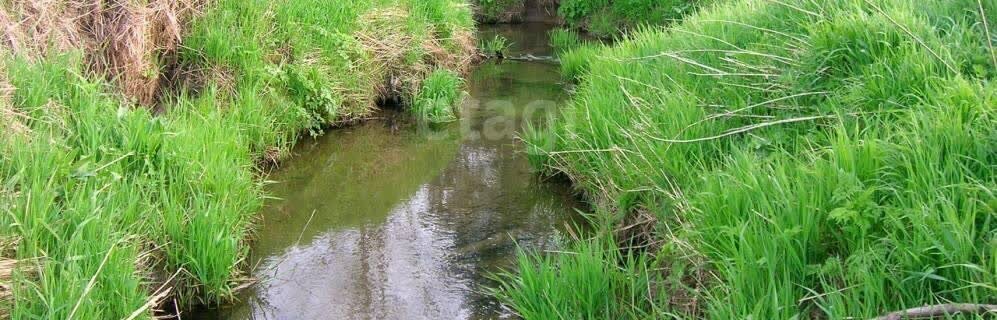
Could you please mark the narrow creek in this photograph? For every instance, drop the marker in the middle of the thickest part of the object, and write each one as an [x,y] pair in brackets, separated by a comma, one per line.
[395,220]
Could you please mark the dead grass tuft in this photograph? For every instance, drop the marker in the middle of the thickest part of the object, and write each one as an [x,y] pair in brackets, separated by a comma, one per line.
[637,232]
[10,121]
[401,60]
[120,39]
[383,37]
[7,266]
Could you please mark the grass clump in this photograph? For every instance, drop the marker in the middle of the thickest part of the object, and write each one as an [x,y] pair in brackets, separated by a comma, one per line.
[108,200]
[575,62]
[564,40]
[593,281]
[439,97]
[825,159]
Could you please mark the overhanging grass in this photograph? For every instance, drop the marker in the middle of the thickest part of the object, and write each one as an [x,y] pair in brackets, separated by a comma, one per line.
[826,159]
[103,196]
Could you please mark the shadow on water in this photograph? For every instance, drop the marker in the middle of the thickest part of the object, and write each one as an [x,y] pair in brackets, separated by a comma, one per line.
[393,220]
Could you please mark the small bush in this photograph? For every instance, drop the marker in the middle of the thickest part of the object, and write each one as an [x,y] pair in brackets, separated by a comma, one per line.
[101,194]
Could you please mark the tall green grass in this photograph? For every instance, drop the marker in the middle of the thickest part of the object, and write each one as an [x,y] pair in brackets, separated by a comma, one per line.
[822,159]
[592,280]
[437,101]
[496,47]
[564,40]
[108,200]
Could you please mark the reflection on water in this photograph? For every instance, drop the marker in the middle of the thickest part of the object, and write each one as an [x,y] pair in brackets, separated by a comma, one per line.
[390,220]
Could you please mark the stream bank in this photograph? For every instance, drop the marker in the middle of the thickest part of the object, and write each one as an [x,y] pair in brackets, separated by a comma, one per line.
[393,219]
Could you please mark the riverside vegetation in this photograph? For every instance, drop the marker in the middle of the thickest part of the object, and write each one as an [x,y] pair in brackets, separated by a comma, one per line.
[132,131]
[777,160]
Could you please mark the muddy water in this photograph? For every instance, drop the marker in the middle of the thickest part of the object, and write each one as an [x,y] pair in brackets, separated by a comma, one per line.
[396,220]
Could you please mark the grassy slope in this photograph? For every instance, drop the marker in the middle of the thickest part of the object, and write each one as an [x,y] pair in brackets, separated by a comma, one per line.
[831,158]
[102,195]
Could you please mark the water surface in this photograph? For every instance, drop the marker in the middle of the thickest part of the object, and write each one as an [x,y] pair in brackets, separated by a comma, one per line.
[396,220]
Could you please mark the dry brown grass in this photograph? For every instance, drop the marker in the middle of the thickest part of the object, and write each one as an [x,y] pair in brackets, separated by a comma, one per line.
[120,39]
[7,266]
[11,123]
[384,37]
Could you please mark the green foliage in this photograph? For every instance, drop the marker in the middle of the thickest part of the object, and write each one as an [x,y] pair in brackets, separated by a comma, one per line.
[499,10]
[538,140]
[71,202]
[575,63]
[564,40]
[574,11]
[607,18]
[593,281]
[100,194]
[838,153]
[496,46]
[437,101]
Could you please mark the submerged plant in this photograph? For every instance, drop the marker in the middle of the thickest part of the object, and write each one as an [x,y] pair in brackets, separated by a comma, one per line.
[437,101]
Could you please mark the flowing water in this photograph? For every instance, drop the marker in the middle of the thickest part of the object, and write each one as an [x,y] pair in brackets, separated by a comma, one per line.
[395,220]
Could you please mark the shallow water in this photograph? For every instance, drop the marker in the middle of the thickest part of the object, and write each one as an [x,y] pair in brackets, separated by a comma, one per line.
[395,220]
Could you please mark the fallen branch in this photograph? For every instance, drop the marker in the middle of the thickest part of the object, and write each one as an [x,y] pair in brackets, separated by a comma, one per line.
[939,310]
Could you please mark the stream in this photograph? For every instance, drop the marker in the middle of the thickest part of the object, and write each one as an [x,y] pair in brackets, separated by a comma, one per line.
[391,219]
